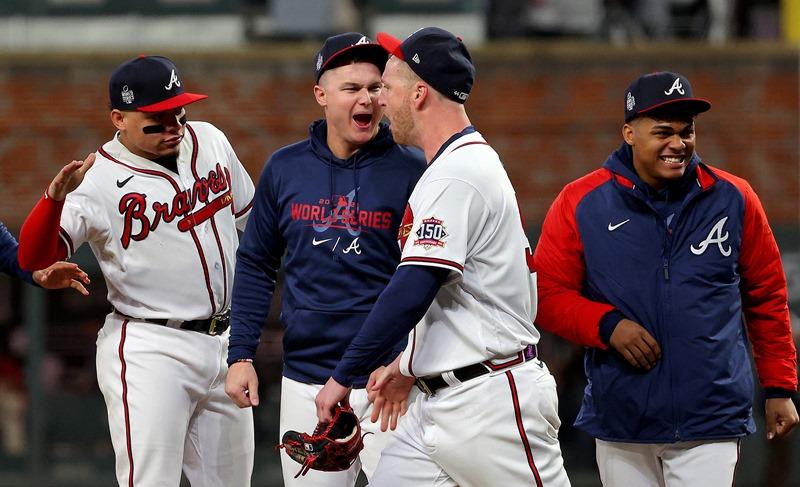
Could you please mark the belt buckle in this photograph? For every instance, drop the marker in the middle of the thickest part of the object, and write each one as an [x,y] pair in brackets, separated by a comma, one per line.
[423,386]
[223,321]
[212,327]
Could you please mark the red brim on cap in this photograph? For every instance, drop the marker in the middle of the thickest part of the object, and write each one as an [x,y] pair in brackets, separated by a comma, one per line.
[170,103]
[391,44]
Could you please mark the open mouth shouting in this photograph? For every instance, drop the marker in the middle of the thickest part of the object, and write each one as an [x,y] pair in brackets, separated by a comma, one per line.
[363,120]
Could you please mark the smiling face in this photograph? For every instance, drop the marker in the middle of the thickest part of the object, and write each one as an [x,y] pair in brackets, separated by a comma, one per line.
[348,94]
[662,147]
[151,135]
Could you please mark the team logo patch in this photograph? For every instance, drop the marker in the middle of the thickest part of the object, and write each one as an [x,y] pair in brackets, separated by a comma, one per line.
[630,102]
[431,233]
[319,61]
[127,95]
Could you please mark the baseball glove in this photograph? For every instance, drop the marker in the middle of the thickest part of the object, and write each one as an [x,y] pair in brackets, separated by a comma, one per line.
[333,447]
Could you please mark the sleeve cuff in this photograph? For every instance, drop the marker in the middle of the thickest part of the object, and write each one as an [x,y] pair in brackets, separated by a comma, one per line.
[238,353]
[341,378]
[777,392]
[608,323]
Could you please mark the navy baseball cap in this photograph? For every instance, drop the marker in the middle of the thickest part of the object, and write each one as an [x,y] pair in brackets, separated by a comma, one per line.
[438,57]
[148,84]
[339,49]
[657,90]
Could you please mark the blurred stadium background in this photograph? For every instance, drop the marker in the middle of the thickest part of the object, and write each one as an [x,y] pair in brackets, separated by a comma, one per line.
[551,78]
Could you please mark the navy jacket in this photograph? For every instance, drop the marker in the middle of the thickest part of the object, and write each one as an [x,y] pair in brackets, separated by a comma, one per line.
[8,256]
[337,223]
[699,268]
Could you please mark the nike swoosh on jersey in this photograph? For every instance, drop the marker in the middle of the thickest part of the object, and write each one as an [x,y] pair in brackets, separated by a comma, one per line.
[611,227]
[316,242]
[124,182]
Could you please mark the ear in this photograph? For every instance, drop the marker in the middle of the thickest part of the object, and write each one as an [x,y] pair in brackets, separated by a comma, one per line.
[319,95]
[118,119]
[627,134]
[420,94]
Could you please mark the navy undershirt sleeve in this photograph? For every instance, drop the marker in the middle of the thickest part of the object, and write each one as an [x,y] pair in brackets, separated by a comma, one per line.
[399,308]
[8,256]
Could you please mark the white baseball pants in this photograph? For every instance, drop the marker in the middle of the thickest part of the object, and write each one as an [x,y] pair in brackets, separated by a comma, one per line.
[167,409]
[682,464]
[499,429]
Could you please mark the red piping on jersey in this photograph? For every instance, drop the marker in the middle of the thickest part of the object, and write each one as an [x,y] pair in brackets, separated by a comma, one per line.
[470,143]
[207,212]
[521,427]
[411,355]
[125,400]
[432,260]
[205,270]
[243,210]
[194,152]
[224,266]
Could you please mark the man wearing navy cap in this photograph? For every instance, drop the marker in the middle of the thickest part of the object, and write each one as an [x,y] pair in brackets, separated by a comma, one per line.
[659,264]
[333,203]
[488,411]
[160,210]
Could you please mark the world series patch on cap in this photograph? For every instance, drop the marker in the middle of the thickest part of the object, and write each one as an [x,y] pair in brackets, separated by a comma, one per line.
[340,49]
[148,84]
[438,57]
[657,90]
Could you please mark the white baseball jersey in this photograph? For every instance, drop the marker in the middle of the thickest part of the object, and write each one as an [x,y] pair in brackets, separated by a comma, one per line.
[166,242]
[463,216]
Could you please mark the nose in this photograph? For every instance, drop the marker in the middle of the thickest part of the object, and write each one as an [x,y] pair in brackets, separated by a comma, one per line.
[382,97]
[364,96]
[677,142]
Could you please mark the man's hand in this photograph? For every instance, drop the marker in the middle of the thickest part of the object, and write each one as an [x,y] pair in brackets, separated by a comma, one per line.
[387,390]
[62,275]
[332,393]
[781,417]
[634,342]
[69,178]
[241,385]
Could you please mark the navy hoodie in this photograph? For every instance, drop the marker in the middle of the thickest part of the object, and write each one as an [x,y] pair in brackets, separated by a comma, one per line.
[336,221]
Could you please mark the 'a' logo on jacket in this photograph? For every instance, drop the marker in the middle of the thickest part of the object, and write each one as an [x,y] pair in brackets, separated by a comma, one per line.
[715,236]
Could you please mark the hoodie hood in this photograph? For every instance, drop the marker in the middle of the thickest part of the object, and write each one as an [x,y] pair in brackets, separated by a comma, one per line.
[369,153]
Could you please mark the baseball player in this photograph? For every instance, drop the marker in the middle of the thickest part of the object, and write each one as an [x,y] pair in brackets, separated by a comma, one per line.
[659,264]
[58,276]
[333,204]
[488,413]
[160,210]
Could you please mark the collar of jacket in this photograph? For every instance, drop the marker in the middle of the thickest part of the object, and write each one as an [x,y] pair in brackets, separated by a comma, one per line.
[620,164]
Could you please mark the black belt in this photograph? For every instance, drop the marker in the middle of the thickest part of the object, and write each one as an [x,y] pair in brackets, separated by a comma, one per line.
[429,385]
[209,326]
